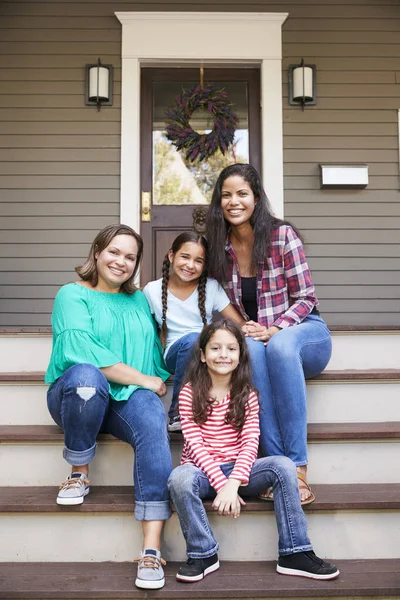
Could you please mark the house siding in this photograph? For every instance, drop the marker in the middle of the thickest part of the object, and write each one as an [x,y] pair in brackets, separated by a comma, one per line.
[60,160]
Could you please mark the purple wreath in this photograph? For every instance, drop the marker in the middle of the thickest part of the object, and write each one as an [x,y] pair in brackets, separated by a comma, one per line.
[201,145]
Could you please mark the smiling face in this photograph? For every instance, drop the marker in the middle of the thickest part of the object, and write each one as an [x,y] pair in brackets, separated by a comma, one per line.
[116,263]
[221,353]
[237,200]
[188,262]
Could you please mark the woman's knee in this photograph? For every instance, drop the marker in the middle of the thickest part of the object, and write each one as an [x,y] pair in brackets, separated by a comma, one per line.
[282,347]
[86,379]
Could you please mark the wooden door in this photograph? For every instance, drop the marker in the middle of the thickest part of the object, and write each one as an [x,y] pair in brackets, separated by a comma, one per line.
[175,193]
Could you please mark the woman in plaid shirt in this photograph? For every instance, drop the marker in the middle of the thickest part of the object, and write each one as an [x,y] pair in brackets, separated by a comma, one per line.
[261,262]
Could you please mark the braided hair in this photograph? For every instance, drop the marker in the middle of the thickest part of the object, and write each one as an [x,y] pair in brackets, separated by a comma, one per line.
[183,238]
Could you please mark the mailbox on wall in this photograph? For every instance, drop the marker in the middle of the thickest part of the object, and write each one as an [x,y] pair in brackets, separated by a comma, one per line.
[344,176]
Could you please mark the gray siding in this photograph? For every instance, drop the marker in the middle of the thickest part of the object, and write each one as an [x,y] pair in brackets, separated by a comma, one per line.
[59,160]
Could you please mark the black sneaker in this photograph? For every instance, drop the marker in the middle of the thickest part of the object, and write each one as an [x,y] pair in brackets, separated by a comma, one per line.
[306,564]
[174,424]
[196,568]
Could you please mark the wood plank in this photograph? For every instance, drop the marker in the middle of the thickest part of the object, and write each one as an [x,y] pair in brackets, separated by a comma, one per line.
[91,128]
[53,101]
[109,113]
[316,432]
[59,35]
[339,156]
[338,116]
[251,580]
[58,182]
[313,183]
[340,37]
[34,196]
[334,129]
[122,498]
[38,88]
[60,168]
[61,141]
[308,11]
[57,154]
[340,24]
[59,209]
[339,209]
[355,195]
[341,142]
[349,63]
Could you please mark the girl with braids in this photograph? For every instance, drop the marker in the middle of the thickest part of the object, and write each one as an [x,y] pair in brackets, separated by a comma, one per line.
[182,303]
[220,425]
[261,261]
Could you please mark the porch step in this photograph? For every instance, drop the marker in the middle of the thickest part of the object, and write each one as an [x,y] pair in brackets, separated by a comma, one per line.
[356,348]
[252,581]
[349,522]
[41,499]
[333,396]
[338,453]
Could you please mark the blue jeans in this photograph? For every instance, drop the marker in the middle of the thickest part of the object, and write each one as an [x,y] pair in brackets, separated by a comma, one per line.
[188,485]
[177,360]
[279,372]
[79,402]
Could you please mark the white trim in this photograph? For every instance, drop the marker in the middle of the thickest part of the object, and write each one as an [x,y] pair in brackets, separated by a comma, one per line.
[233,38]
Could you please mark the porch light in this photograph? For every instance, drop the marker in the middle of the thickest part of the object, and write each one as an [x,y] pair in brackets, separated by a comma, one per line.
[98,84]
[302,84]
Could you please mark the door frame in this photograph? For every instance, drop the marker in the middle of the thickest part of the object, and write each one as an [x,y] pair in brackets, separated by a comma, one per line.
[188,39]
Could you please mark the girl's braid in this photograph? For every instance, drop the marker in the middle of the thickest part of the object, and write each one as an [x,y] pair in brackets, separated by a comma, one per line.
[164,299]
[201,290]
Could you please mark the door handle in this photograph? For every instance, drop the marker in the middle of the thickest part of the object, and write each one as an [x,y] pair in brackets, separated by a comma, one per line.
[146,206]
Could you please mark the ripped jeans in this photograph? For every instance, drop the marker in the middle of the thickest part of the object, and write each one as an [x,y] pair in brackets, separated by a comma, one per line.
[80,403]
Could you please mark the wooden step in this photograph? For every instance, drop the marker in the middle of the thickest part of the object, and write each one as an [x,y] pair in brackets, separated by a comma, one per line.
[328,375]
[251,580]
[316,432]
[121,499]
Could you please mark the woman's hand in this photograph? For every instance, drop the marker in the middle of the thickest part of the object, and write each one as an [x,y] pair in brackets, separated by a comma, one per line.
[155,384]
[228,501]
[258,332]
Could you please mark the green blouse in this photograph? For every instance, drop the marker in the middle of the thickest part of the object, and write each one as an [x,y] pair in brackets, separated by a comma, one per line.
[103,329]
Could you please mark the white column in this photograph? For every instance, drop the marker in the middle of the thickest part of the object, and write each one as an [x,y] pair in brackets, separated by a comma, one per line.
[130,143]
[272,133]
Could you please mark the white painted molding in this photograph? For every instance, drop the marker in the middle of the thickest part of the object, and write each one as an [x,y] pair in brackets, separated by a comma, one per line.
[146,38]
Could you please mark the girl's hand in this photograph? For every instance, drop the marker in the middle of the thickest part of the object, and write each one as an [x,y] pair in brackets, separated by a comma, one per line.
[228,501]
[258,332]
[155,384]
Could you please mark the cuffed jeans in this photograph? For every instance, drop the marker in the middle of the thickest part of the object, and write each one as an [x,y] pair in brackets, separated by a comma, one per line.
[80,403]
[189,485]
[279,372]
[177,360]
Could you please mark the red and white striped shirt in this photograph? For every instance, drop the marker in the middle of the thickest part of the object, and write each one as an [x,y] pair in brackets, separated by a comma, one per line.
[215,442]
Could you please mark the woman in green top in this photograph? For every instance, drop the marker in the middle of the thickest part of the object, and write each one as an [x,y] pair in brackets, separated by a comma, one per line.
[107,374]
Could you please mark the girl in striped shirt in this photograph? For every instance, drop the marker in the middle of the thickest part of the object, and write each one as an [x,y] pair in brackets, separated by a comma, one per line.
[220,424]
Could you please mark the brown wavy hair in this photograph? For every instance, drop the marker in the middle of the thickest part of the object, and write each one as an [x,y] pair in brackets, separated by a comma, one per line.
[198,376]
[88,271]
[183,238]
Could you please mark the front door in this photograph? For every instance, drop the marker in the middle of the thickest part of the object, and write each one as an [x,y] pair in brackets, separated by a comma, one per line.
[176,192]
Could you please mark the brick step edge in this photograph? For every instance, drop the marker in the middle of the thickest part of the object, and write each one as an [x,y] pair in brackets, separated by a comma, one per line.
[251,580]
[120,499]
[328,375]
[388,430]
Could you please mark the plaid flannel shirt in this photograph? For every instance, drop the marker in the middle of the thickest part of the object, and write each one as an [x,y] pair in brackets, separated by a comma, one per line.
[285,292]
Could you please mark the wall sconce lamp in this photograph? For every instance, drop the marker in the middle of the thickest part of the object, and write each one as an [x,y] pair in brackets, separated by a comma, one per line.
[98,84]
[302,84]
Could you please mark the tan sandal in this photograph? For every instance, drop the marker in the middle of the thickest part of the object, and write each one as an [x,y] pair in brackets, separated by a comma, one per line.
[267,495]
[304,485]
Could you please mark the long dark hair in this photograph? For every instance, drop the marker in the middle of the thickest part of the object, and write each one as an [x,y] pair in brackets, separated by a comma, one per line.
[88,271]
[262,221]
[197,374]
[183,238]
